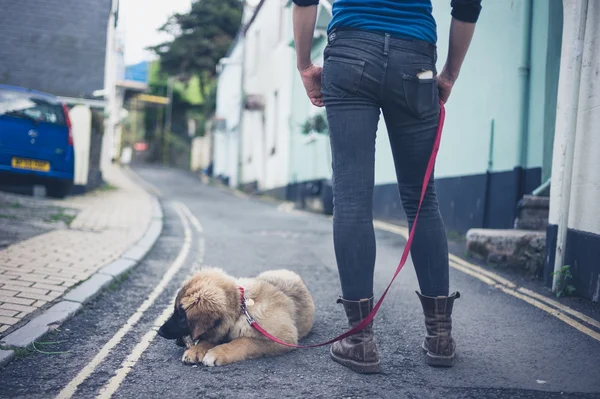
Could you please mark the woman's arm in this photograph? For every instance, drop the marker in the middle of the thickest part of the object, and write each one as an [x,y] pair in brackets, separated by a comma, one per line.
[304,17]
[464,16]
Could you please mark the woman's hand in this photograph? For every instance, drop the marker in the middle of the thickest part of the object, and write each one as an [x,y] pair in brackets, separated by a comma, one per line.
[445,84]
[311,78]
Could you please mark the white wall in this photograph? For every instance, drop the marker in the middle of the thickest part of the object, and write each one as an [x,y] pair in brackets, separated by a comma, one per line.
[229,97]
[487,89]
[584,214]
[269,62]
[200,153]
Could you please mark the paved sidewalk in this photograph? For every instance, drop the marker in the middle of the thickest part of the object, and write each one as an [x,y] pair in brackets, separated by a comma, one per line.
[39,270]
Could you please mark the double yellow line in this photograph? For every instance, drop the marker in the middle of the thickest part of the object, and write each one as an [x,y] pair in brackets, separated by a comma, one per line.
[564,313]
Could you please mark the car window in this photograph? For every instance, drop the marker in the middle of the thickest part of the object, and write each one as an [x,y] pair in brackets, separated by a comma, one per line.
[25,105]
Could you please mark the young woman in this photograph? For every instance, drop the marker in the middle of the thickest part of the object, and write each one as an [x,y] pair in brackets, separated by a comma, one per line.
[381,56]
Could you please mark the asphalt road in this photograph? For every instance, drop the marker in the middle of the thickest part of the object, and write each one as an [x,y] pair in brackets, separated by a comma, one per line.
[506,348]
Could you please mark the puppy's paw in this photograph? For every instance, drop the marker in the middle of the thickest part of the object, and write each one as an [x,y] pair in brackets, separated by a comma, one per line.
[193,355]
[216,357]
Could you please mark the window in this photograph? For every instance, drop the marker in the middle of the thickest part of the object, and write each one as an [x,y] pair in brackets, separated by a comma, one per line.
[26,106]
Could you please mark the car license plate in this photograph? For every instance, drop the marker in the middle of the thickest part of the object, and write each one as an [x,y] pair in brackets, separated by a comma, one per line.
[31,164]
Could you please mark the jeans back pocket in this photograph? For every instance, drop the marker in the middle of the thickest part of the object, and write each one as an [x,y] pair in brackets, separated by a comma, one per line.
[421,95]
[341,76]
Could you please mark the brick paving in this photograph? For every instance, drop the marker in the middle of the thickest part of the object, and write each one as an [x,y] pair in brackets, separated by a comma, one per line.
[37,271]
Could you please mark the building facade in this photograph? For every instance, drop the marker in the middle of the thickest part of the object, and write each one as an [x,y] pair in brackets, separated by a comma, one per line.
[499,132]
[499,136]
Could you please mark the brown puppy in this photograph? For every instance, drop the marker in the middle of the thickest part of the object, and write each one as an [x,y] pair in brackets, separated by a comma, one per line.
[207,308]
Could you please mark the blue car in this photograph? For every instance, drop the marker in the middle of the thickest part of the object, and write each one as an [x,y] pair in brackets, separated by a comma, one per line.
[36,141]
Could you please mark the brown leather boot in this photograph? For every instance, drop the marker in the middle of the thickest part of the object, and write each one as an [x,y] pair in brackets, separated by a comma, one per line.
[357,352]
[438,343]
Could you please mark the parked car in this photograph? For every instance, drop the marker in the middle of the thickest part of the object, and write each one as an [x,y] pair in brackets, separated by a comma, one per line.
[36,141]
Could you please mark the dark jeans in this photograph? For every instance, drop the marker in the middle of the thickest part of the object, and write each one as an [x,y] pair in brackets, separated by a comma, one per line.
[364,73]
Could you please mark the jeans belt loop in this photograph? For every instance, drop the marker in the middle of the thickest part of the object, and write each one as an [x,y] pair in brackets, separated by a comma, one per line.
[386,44]
[331,37]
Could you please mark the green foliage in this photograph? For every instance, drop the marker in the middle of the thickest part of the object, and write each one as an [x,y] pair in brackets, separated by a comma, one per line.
[187,92]
[188,102]
[563,287]
[317,124]
[61,216]
[200,39]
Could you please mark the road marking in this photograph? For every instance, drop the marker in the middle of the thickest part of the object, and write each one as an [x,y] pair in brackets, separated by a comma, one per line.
[192,218]
[71,388]
[392,228]
[553,312]
[560,306]
[510,288]
[477,269]
[473,273]
[520,294]
[115,382]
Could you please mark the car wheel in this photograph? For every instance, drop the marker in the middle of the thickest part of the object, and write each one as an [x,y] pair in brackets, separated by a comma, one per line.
[59,189]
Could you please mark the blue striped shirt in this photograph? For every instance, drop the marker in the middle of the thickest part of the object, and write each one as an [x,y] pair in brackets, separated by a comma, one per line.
[401,18]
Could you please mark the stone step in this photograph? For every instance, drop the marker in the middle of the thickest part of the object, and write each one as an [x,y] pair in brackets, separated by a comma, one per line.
[532,213]
[522,249]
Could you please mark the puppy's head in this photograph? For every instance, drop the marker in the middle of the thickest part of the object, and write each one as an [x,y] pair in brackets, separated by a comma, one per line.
[206,308]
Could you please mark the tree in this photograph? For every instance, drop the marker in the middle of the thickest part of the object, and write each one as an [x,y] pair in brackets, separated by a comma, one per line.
[200,39]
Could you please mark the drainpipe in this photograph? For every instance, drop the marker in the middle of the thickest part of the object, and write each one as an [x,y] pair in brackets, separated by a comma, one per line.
[490,167]
[568,109]
[524,83]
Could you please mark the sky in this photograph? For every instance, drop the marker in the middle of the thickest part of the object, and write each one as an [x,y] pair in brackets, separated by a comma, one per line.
[140,19]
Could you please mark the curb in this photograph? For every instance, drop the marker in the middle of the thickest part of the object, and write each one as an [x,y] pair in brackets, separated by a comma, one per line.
[73,301]
[6,356]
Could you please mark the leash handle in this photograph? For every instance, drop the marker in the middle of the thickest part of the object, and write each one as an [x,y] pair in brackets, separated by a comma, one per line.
[367,320]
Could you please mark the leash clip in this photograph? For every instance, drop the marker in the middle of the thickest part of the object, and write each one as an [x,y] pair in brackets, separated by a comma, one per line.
[249,318]
[244,306]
